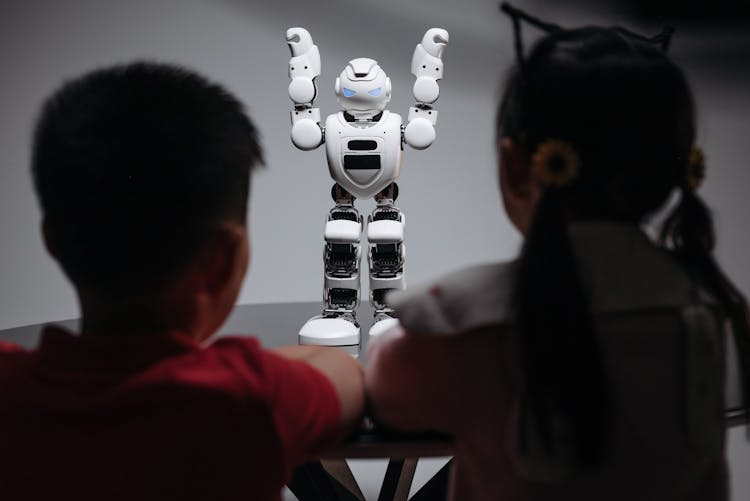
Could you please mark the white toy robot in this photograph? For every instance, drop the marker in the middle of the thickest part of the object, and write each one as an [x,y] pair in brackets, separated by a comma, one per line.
[364,142]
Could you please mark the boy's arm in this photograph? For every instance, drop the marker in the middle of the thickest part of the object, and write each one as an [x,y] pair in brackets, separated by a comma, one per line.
[342,371]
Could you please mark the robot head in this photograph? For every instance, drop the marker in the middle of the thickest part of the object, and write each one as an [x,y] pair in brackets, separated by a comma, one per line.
[363,89]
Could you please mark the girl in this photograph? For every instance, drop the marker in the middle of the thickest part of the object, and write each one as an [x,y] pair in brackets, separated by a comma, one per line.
[593,366]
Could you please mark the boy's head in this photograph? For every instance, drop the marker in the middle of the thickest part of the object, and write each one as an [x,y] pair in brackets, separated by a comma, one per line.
[137,168]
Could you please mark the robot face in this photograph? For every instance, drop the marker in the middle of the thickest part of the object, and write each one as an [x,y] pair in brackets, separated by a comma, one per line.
[363,87]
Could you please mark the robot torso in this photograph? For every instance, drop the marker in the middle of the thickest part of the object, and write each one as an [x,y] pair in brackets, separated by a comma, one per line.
[363,157]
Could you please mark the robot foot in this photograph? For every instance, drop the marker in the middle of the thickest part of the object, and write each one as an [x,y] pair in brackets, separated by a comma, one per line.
[382,324]
[330,331]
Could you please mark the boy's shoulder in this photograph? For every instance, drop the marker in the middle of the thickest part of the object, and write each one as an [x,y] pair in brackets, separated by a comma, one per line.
[6,347]
[240,365]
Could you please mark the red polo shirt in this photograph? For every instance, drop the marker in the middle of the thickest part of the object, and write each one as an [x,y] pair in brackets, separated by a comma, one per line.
[156,417]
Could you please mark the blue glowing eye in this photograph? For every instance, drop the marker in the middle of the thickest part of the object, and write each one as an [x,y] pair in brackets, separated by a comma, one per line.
[348,92]
[374,92]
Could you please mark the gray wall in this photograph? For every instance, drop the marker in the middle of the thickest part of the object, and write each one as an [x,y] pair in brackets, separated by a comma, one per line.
[449,187]
[448,191]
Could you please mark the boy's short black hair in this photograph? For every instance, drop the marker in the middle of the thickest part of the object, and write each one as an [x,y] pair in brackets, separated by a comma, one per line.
[135,166]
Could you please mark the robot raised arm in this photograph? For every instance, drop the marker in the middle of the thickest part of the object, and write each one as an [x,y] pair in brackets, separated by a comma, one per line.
[304,67]
[427,67]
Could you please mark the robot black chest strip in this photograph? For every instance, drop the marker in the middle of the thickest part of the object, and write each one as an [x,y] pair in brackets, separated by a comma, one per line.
[364,146]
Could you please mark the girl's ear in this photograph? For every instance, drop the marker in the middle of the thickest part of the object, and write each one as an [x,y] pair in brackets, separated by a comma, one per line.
[520,191]
[514,169]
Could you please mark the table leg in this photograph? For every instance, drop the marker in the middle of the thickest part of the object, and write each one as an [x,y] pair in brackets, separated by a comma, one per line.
[339,470]
[311,482]
[437,487]
[398,478]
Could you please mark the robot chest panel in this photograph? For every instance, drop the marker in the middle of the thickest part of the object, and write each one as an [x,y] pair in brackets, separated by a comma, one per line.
[364,158]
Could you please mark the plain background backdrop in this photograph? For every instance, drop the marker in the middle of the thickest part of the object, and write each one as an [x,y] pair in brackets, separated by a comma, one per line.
[448,192]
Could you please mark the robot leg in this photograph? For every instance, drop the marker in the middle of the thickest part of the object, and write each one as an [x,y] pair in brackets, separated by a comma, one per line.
[337,326]
[385,235]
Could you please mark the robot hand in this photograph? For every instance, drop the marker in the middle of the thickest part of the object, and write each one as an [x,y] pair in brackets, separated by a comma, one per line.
[304,66]
[427,65]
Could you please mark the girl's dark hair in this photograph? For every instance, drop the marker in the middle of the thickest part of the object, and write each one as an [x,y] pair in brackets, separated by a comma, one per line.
[627,110]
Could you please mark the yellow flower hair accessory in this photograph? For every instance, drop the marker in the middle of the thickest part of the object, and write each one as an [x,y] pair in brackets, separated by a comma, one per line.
[555,163]
[696,168]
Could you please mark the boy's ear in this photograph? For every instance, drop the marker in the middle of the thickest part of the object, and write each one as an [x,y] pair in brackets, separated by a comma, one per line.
[224,259]
[49,242]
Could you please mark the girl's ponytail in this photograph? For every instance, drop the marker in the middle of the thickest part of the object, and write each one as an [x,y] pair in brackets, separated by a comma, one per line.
[689,234]
[564,381]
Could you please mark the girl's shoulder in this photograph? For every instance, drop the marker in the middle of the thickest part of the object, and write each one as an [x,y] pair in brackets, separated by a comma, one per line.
[459,301]
[621,269]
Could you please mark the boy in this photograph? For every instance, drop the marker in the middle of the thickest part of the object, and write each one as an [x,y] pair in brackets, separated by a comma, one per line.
[143,174]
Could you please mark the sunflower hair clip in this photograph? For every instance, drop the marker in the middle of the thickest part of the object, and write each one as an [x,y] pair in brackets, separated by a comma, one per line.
[696,168]
[555,163]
